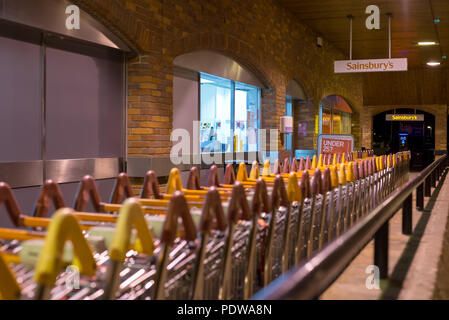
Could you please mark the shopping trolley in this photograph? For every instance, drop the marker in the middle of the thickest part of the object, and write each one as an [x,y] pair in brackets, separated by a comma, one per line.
[37,284]
[63,226]
[278,222]
[261,239]
[210,257]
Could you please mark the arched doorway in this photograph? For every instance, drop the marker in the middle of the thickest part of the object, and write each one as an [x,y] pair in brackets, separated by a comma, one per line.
[335,115]
[295,97]
[416,135]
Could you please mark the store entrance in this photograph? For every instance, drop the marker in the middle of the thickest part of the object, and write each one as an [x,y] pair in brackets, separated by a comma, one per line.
[416,136]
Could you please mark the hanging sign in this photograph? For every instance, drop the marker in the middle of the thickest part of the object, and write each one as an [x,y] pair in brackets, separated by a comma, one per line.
[404,117]
[370,65]
[335,143]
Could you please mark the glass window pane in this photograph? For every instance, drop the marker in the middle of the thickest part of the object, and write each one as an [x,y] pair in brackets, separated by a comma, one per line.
[288,106]
[215,118]
[288,112]
[326,121]
[345,123]
[336,122]
[246,117]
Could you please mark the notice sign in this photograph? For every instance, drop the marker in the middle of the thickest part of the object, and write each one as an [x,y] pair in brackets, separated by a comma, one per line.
[371,65]
[302,129]
[335,143]
[404,117]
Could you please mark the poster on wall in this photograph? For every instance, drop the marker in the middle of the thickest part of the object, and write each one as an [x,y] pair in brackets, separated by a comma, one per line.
[302,129]
[335,143]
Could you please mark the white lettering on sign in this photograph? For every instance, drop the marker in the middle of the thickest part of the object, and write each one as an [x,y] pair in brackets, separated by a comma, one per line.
[371,65]
[404,117]
[373,21]
[333,143]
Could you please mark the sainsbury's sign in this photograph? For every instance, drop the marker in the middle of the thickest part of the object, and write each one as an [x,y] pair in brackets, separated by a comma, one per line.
[371,65]
[404,117]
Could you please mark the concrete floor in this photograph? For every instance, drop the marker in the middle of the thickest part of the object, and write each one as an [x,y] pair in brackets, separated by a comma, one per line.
[351,284]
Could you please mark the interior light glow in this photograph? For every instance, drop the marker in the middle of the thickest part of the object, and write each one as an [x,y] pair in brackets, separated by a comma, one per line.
[427,43]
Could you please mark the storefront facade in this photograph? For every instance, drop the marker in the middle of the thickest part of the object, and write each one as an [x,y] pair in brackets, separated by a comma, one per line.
[167,32]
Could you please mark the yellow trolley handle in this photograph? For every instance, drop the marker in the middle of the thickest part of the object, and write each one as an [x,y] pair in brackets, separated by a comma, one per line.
[334,176]
[342,174]
[130,216]
[266,171]
[242,174]
[63,227]
[9,288]
[255,173]
[350,177]
[174,182]
[293,190]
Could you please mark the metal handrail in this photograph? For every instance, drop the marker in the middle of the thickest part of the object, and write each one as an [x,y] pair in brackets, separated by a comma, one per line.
[311,279]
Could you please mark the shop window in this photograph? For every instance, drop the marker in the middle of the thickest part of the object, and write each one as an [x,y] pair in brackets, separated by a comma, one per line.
[326,118]
[335,116]
[229,115]
[288,112]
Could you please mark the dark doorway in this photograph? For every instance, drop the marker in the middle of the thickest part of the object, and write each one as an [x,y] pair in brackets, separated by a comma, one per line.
[416,136]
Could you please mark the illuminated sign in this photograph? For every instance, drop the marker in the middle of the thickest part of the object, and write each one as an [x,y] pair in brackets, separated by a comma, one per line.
[370,65]
[335,143]
[404,117]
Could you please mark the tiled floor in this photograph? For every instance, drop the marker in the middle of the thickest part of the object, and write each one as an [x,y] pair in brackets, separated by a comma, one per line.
[351,284]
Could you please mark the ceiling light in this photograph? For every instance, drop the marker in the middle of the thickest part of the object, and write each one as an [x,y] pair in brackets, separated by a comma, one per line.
[427,43]
[433,63]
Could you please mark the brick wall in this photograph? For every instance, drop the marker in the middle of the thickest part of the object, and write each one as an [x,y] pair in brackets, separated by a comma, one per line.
[356,125]
[304,112]
[149,109]
[259,34]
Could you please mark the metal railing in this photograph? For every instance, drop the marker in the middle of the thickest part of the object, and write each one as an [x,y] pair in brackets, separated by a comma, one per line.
[311,279]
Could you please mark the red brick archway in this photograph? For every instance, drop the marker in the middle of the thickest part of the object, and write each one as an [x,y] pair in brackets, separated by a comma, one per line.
[228,46]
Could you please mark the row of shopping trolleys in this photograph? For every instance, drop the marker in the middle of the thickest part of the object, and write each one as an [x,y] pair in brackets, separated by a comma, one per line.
[226,240]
